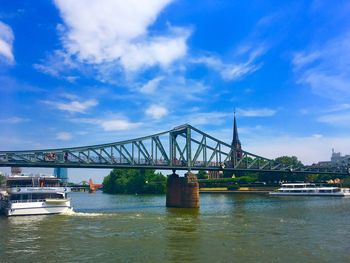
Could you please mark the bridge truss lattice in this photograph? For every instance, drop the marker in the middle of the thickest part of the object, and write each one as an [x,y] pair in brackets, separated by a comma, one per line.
[182,148]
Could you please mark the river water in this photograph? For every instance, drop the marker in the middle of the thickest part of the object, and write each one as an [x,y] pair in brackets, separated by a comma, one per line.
[226,228]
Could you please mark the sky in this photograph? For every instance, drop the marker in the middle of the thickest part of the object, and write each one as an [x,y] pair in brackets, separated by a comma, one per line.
[85,72]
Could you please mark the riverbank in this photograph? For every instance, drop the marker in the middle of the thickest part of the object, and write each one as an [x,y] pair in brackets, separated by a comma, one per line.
[232,192]
[241,190]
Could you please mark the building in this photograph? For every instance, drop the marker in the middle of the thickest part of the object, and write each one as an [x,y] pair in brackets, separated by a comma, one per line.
[236,145]
[336,159]
[215,174]
[236,153]
[16,170]
[61,173]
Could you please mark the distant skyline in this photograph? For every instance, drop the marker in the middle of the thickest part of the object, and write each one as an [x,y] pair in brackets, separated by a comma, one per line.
[86,72]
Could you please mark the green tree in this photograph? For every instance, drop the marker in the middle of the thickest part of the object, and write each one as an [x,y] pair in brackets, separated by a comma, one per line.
[2,179]
[346,182]
[133,181]
[84,183]
[324,177]
[277,176]
[202,174]
[309,178]
[288,160]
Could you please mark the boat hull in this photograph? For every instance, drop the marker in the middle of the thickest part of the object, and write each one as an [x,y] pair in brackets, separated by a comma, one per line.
[339,194]
[36,208]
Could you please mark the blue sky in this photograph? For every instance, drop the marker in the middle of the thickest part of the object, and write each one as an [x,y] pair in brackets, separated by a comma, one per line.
[84,72]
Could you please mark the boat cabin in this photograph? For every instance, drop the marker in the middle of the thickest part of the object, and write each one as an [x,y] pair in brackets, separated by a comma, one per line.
[20,197]
[298,185]
[307,188]
[32,181]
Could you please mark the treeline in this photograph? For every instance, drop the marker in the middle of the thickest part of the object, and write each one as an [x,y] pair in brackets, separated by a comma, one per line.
[134,181]
[2,179]
[269,178]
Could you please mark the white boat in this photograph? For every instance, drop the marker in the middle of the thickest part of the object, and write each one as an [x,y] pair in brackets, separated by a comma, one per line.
[310,189]
[34,195]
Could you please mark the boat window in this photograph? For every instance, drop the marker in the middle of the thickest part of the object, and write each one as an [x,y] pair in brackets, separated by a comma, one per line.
[49,182]
[55,196]
[38,196]
[19,183]
[15,197]
[42,196]
[21,197]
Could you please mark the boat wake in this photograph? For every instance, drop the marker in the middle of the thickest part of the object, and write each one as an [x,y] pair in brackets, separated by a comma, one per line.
[73,213]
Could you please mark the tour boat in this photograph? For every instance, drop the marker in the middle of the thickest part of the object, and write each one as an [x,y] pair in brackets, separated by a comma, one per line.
[34,195]
[310,189]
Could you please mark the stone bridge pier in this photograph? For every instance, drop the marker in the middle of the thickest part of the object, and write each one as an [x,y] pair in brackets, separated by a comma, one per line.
[182,192]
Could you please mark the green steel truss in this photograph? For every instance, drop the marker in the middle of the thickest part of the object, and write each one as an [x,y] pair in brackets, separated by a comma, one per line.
[182,148]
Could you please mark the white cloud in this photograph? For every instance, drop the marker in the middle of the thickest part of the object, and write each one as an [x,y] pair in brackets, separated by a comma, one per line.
[64,136]
[180,89]
[203,118]
[339,107]
[302,59]
[264,112]
[151,85]
[109,124]
[118,125]
[317,136]
[326,69]
[6,40]
[234,71]
[115,30]
[57,65]
[156,111]
[339,119]
[74,106]
[13,120]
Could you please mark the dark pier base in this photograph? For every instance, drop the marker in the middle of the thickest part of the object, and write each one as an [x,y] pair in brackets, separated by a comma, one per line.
[182,192]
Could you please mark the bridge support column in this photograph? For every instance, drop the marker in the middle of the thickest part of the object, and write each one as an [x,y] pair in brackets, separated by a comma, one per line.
[182,192]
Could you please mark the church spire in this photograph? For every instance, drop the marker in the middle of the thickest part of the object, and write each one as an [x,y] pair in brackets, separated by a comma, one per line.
[235,138]
[236,153]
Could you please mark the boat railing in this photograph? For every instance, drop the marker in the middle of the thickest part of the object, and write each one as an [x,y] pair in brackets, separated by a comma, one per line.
[38,200]
[37,189]
[27,201]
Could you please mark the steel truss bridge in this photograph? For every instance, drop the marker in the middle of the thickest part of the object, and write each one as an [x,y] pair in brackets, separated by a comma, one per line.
[182,148]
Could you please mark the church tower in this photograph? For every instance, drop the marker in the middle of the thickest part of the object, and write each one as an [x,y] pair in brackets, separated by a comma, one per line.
[236,146]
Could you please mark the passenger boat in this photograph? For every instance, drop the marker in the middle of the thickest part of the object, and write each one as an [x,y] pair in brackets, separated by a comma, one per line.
[34,195]
[310,189]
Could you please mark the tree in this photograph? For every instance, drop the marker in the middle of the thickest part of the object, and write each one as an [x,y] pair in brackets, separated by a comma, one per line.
[202,174]
[287,160]
[133,181]
[309,178]
[84,183]
[2,179]
[275,177]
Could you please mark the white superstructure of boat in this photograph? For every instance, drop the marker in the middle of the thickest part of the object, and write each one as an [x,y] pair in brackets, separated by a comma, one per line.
[310,189]
[34,195]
